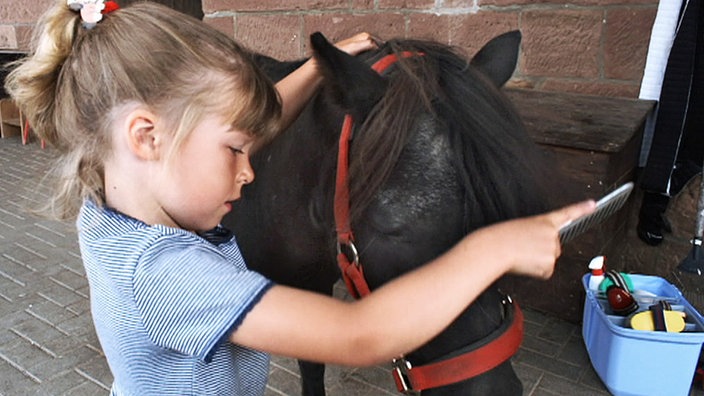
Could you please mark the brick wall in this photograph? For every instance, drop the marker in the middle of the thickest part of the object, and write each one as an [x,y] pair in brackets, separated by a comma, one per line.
[587,46]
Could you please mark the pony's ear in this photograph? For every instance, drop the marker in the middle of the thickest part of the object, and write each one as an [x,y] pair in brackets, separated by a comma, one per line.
[353,84]
[498,58]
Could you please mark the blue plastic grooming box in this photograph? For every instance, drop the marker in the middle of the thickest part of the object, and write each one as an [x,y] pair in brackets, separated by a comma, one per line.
[635,362]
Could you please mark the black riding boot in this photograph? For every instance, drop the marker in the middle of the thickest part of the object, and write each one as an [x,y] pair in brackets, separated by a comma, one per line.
[651,218]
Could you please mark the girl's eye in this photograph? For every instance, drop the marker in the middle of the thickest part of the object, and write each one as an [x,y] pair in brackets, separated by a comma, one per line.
[236,150]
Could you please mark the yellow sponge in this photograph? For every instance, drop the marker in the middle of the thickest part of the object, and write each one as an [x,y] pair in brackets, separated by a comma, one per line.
[674,321]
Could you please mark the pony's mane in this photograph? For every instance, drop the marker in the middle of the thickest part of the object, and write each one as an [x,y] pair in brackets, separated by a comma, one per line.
[497,162]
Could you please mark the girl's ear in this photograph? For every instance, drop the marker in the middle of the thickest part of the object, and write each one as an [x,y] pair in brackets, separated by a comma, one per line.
[143,138]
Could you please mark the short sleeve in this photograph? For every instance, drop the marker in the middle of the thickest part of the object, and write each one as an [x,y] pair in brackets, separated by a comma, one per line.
[191,296]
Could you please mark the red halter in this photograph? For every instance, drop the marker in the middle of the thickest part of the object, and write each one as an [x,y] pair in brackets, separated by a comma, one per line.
[347,256]
[505,340]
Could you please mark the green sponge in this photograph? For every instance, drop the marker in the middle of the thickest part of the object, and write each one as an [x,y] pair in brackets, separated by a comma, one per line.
[608,281]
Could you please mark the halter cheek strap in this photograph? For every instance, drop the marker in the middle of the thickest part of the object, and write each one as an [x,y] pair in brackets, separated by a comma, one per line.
[347,256]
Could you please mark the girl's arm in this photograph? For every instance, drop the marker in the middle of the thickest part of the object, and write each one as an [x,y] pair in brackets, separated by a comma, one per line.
[299,86]
[410,310]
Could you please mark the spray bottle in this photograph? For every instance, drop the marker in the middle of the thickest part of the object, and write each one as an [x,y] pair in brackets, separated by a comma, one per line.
[596,266]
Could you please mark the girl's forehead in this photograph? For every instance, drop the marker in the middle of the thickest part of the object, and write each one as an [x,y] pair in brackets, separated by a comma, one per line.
[247,138]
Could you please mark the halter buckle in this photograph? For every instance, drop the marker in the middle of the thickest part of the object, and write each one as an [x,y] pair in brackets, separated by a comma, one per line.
[400,369]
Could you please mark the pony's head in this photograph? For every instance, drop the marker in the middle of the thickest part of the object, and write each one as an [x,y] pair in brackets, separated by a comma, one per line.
[437,88]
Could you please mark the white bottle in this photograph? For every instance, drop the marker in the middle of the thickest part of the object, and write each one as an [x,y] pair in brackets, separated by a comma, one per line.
[596,266]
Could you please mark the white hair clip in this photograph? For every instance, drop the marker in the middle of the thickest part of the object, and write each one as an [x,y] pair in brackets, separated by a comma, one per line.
[92,11]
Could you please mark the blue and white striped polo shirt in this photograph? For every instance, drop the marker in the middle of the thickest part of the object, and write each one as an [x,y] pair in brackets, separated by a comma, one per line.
[164,301]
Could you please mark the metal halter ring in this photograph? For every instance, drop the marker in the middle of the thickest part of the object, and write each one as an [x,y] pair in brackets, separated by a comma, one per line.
[350,251]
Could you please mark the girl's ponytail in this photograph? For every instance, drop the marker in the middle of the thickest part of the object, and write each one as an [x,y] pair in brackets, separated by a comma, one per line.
[33,80]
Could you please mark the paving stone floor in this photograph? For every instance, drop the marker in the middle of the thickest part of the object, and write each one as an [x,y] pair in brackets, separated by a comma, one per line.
[47,342]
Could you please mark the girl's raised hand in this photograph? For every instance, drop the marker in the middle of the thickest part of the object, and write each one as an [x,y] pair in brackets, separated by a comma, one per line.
[358,43]
[299,86]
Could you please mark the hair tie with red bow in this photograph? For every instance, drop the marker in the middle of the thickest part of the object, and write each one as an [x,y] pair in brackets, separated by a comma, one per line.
[92,11]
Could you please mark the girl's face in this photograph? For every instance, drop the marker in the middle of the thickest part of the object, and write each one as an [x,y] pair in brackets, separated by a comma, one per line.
[202,178]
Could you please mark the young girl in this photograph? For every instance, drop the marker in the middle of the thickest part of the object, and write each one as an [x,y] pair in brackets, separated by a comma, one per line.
[155,115]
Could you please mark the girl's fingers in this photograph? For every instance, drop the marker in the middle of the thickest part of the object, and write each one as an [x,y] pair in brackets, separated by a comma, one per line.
[568,214]
[360,42]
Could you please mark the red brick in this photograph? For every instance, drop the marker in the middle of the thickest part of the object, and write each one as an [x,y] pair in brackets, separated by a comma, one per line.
[210,6]
[401,4]
[504,3]
[472,31]
[562,3]
[278,36]
[562,43]
[609,3]
[626,42]
[23,12]
[339,26]
[429,27]
[327,4]
[362,4]
[223,24]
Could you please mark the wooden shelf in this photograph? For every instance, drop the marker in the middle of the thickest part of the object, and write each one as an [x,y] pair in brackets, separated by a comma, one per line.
[10,119]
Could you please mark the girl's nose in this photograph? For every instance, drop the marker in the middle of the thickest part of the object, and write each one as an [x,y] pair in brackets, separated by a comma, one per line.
[246,174]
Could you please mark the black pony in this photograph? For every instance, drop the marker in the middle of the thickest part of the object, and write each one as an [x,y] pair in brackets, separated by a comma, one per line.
[437,152]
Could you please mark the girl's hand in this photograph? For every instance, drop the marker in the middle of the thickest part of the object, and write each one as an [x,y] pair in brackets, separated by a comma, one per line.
[299,86]
[358,43]
[539,241]
[530,246]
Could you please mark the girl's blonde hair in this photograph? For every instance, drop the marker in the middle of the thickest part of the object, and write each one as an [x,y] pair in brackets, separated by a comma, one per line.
[74,80]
